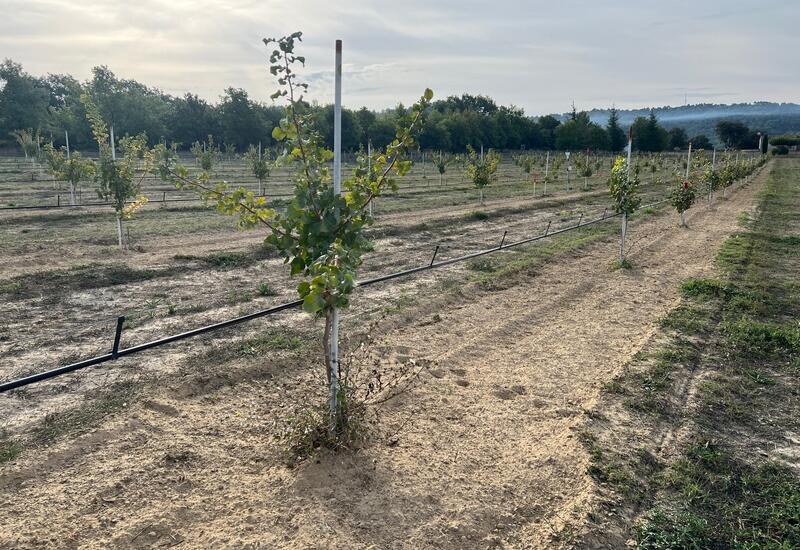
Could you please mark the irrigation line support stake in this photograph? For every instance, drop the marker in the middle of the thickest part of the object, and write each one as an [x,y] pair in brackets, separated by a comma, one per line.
[503,240]
[117,336]
[435,251]
[547,231]
[580,220]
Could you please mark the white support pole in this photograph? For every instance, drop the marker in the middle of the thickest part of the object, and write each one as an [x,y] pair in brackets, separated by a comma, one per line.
[369,169]
[113,146]
[337,189]
[714,160]
[546,172]
[547,165]
[66,136]
[260,187]
[688,161]
[625,214]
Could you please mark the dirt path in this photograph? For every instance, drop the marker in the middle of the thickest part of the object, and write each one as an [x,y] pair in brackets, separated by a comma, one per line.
[520,367]
[490,456]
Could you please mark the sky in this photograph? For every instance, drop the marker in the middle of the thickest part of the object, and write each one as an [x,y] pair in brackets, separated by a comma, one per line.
[541,56]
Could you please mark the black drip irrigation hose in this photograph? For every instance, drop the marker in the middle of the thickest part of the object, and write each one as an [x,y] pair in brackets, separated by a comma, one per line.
[117,353]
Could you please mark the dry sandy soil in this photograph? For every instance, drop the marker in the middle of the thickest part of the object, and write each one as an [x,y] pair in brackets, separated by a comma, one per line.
[58,321]
[482,452]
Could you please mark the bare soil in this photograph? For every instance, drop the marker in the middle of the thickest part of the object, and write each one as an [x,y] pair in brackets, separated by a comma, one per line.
[59,321]
[485,451]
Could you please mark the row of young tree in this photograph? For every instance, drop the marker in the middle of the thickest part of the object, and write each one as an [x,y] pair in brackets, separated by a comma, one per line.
[320,234]
[49,106]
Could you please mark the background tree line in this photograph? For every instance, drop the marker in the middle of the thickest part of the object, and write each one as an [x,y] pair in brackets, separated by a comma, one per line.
[51,104]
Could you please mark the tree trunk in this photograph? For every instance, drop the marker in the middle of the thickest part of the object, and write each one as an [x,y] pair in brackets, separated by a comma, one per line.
[481,190]
[326,345]
[622,239]
[119,234]
[331,366]
[683,219]
[72,194]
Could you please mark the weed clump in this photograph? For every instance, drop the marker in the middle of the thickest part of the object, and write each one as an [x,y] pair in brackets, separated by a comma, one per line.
[479,215]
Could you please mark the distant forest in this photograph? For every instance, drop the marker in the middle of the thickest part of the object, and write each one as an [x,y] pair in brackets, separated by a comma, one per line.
[50,105]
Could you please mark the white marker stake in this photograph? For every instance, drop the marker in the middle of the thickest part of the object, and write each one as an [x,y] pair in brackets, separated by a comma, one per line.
[369,169]
[337,189]
[260,187]
[119,219]
[66,136]
[713,170]
[113,147]
[625,214]
[688,161]
[546,172]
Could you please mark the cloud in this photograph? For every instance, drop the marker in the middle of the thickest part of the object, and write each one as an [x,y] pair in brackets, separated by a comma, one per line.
[535,54]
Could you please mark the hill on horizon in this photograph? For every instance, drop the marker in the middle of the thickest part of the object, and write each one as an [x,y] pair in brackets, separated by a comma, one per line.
[772,118]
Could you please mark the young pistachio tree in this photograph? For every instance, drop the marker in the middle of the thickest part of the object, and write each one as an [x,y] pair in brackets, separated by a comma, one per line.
[709,180]
[205,153]
[482,169]
[321,233]
[230,151]
[260,165]
[116,178]
[442,161]
[583,165]
[72,169]
[27,142]
[526,163]
[682,198]
[624,189]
